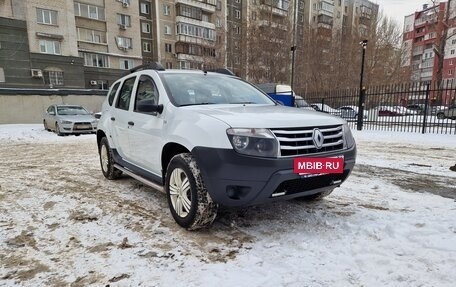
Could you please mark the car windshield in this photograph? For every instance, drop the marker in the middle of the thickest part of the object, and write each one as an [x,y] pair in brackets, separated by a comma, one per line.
[205,89]
[71,111]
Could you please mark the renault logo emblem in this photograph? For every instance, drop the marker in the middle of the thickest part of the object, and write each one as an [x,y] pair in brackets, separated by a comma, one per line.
[318,138]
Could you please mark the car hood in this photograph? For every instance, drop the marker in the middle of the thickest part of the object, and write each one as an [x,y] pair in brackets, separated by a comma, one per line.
[77,118]
[266,116]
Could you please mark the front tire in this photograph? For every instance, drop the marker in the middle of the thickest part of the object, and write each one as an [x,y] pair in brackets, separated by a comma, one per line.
[189,202]
[57,129]
[107,161]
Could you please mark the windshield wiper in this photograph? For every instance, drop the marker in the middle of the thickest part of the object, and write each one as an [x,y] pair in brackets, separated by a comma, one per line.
[198,104]
[242,103]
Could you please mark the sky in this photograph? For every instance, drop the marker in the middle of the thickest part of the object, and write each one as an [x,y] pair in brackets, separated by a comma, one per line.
[398,9]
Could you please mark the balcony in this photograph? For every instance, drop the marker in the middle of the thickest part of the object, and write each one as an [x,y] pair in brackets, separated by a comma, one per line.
[276,7]
[194,40]
[417,50]
[181,19]
[206,5]
[325,21]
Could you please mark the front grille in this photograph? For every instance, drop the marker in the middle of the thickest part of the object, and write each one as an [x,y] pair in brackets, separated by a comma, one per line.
[305,184]
[298,141]
[82,126]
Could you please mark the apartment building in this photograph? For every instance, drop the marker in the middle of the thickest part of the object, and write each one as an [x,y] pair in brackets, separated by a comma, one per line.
[421,38]
[71,44]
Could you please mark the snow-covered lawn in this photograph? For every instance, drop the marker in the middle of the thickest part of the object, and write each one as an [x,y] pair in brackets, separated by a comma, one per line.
[392,223]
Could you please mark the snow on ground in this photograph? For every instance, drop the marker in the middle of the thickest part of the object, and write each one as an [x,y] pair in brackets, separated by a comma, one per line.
[392,223]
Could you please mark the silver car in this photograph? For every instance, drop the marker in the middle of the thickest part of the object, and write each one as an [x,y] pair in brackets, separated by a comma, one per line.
[448,113]
[69,119]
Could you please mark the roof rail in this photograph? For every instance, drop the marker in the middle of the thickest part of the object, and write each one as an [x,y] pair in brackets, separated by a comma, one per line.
[222,71]
[152,66]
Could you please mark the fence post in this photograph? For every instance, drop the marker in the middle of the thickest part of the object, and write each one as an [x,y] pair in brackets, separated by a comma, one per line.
[362,95]
[426,103]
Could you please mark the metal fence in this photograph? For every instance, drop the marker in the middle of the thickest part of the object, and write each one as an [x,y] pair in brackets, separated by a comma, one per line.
[408,107]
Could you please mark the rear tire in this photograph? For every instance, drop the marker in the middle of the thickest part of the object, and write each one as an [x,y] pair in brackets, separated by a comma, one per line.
[441,116]
[107,161]
[189,202]
[45,126]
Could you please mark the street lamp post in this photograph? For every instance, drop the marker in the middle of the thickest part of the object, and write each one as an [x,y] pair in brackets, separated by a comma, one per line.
[362,89]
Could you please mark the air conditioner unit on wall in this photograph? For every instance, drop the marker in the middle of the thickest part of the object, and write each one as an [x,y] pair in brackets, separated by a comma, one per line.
[122,26]
[36,73]
[125,3]
[93,82]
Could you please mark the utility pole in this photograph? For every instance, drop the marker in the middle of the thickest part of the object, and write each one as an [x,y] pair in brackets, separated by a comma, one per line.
[362,89]
[293,48]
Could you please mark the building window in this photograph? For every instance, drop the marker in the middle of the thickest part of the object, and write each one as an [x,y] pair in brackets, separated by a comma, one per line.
[92,36]
[123,20]
[169,65]
[205,18]
[452,52]
[450,72]
[451,63]
[237,1]
[253,15]
[145,27]
[145,8]
[126,64]
[219,5]
[124,43]
[238,14]
[167,30]
[50,47]
[166,9]
[44,16]
[54,78]
[95,60]
[453,41]
[89,11]
[147,47]
[168,48]
[218,22]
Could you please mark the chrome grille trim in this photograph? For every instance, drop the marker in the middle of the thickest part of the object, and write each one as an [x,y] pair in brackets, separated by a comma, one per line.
[299,141]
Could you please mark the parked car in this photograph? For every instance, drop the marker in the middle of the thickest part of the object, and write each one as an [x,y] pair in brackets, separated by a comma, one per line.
[448,113]
[418,108]
[405,111]
[209,138]
[349,112]
[326,109]
[69,119]
[388,111]
[302,104]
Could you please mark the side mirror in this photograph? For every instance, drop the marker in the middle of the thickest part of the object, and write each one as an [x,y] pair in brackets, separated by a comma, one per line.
[148,106]
[97,115]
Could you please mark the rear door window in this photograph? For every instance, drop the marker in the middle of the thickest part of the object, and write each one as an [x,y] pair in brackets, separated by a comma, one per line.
[123,100]
[112,94]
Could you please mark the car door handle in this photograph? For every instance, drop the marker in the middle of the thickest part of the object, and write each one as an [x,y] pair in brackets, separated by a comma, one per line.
[113,119]
[131,123]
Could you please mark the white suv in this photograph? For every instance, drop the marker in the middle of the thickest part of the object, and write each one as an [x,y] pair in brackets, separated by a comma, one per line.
[210,139]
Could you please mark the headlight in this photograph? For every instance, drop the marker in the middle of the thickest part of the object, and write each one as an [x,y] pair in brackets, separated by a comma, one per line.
[66,123]
[348,137]
[255,142]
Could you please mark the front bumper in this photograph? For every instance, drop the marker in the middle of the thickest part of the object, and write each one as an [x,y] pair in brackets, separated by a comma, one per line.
[78,128]
[233,179]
